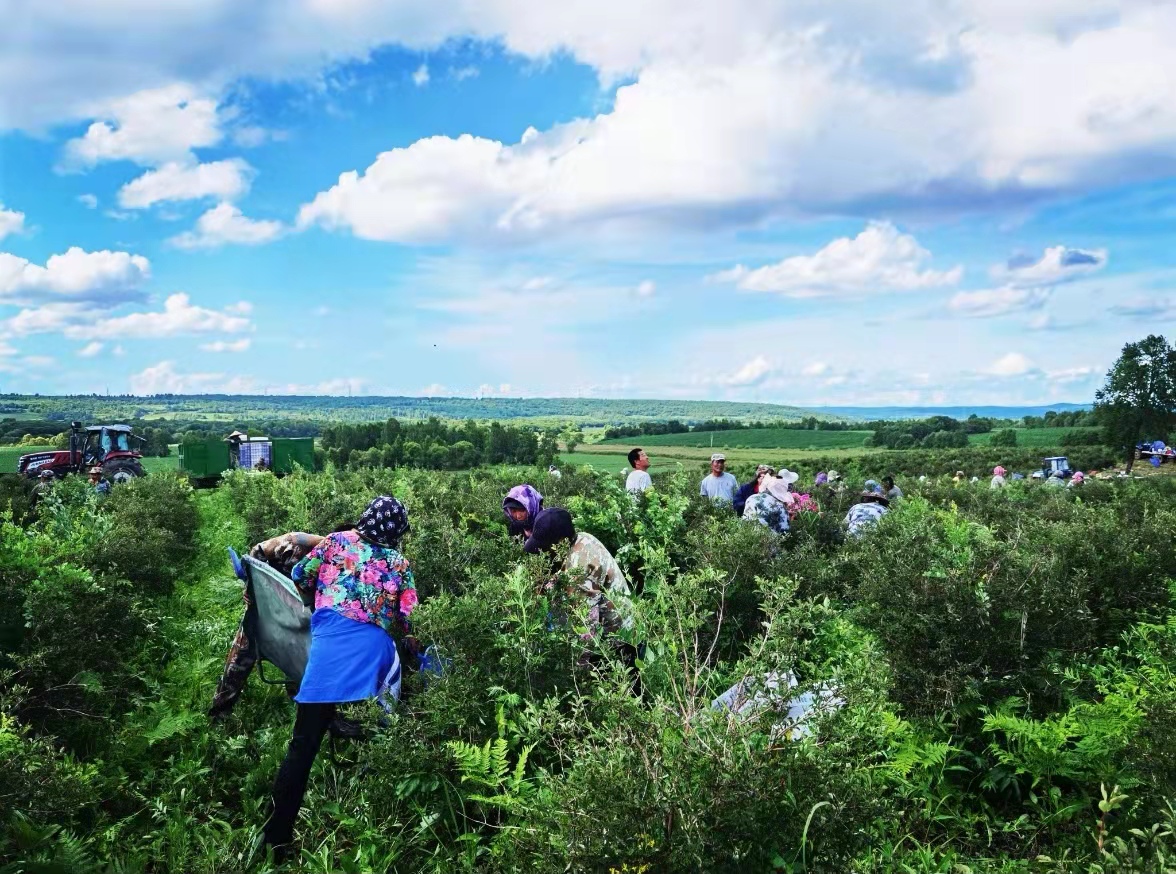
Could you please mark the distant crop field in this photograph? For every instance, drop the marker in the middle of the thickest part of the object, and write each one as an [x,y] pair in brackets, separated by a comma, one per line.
[1049,437]
[751,438]
[9,456]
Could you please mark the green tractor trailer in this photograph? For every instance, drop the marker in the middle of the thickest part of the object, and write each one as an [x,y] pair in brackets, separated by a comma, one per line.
[205,461]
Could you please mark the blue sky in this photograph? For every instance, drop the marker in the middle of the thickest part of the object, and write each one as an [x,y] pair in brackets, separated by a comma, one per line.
[785,201]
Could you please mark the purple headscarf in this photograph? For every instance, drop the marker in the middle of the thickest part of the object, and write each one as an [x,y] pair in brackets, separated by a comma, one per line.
[529,497]
[822,478]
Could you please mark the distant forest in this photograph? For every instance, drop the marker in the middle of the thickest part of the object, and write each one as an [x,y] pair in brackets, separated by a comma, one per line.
[585,412]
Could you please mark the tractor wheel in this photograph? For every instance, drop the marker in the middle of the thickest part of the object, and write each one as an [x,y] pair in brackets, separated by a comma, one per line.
[122,471]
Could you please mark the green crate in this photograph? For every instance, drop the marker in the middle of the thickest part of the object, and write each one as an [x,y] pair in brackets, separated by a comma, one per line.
[290,451]
[204,459]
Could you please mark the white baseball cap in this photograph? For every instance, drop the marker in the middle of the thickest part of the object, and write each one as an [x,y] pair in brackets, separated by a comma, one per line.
[718,456]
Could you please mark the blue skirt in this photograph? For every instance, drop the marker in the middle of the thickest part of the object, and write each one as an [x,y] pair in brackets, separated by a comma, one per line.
[349,661]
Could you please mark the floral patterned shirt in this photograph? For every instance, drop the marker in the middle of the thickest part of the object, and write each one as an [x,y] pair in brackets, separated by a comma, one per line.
[862,516]
[767,509]
[359,580]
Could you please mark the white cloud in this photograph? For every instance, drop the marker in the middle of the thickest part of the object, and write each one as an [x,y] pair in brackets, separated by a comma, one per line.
[434,390]
[460,74]
[91,349]
[224,224]
[420,76]
[1056,265]
[879,259]
[817,368]
[178,317]
[646,288]
[11,221]
[751,373]
[148,127]
[734,109]
[89,201]
[241,345]
[77,274]
[47,318]
[997,301]
[1071,375]
[1012,364]
[163,378]
[224,180]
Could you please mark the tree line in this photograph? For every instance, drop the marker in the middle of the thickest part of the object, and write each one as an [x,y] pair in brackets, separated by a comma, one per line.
[437,445]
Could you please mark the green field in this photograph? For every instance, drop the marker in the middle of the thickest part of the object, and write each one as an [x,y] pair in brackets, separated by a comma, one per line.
[751,438]
[1050,437]
[9,456]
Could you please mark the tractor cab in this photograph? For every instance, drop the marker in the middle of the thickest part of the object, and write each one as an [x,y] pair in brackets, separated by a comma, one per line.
[100,442]
[1058,464]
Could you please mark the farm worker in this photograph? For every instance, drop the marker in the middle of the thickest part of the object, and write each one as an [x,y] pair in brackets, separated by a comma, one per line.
[998,477]
[719,485]
[101,486]
[959,477]
[1055,479]
[520,506]
[822,479]
[638,479]
[281,553]
[553,472]
[750,488]
[871,507]
[893,492]
[769,506]
[1077,480]
[602,583]
[363,594]
[42,488]
[835,482]
[871,485]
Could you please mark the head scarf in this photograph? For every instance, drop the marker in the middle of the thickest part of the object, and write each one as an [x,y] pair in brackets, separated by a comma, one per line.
[551,527]
[384,522]
[529,497]
[872,486]
[1079,477]
[822,478]
[998,471]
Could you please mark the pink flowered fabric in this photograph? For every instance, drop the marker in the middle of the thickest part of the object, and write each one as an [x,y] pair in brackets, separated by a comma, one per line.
[361,581]
[802,504]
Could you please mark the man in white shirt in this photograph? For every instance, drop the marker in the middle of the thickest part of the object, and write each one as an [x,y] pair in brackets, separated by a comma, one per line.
[638,480]
[719,485]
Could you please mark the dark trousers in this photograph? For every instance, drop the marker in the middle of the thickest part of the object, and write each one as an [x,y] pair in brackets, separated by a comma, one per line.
[290,786]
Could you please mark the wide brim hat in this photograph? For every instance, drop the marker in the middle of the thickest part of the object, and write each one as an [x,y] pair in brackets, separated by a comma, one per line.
[95,470]
[834,476]
[788,476]
[877,496]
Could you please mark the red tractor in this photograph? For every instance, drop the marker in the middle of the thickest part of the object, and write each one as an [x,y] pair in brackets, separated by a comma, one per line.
[107,446]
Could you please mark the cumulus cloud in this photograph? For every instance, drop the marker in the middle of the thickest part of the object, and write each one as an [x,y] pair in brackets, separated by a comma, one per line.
[163,378]
[733,109]
[997,301]
[879,259]
[1056,265]
[647,288]
[90,350]
[148,127]
[752,373]
[225,224]
[224,180]
[89,201]
[106,277]
[241,345]
[11,221]
[816,368]
[178,317]
[420,76]
[1012,364]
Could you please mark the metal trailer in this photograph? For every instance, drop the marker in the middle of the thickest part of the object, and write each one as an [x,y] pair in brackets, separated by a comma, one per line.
[205,461]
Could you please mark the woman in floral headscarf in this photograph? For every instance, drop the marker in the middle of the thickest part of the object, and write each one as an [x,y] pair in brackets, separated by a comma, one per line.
[520,506]
[363,593]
